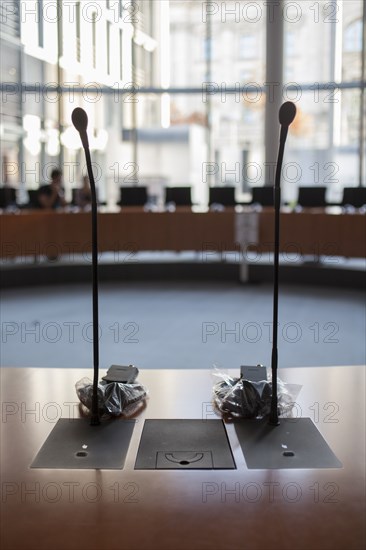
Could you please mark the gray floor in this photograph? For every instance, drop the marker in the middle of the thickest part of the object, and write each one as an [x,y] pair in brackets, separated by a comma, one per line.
[182,326]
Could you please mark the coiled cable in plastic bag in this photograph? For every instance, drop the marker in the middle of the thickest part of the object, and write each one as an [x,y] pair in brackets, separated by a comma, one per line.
[114,398]
[243,398]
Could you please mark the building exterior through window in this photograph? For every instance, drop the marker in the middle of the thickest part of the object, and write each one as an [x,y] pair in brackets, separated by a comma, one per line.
[176,93]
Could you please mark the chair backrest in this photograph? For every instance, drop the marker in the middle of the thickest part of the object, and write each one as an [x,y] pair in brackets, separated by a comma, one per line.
[133,196]
[181,196]
[74,196]
[33,201]
[222,195]
[354,196]
[263,195]
[310,197]
[8,196]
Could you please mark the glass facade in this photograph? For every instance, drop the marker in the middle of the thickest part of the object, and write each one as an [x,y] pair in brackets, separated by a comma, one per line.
[176,93]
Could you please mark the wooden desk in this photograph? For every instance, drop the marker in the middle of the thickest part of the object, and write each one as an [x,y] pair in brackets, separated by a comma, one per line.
[174,510]
[316,232]
[40,233]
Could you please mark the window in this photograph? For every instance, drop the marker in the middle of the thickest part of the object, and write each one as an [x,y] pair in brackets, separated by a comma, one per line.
[353,37]
[40,24]
[208,49]
[77,21]
[120,54]
[108,47]
[290,44]
[94,39]
[219,66]
[246,76]
[248,46]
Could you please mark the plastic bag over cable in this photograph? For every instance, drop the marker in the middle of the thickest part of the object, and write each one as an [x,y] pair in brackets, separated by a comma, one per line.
[114,398]
[243,398]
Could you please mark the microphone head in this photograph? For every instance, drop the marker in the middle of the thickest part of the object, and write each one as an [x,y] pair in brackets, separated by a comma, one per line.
[287,113]
[79,119]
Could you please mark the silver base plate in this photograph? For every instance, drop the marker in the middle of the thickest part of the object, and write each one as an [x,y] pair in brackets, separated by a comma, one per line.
[75,444]
[184,445]
[294,444]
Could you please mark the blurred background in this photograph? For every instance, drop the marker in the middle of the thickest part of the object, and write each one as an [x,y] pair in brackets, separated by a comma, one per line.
[183,94]
[196,113]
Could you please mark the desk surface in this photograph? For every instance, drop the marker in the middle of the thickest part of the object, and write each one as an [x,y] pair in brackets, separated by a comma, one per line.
[313,231]
[173,510]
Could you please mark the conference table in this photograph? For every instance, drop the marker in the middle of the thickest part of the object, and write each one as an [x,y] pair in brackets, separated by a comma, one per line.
[54,233]
[319,509]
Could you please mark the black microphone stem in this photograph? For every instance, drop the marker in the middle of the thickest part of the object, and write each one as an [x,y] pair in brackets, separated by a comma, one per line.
[273,418]
[95,420]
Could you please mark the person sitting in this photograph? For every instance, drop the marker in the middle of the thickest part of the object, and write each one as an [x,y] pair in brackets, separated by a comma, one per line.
[51,196]
[83,195]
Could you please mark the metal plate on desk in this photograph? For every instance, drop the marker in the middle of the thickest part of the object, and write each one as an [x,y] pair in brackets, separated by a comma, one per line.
[184,444]
[75,444]
[294,444]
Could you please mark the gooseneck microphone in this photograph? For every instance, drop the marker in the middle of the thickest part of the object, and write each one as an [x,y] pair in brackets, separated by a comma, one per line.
[80,121]
[287,114]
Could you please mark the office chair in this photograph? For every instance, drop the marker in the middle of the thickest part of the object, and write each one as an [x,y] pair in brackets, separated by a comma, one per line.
[354,196]
[310,197]
[33,201]
[8,197]
[181,196]
[133,196]
[222,195]
[74,196]
[262,196]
